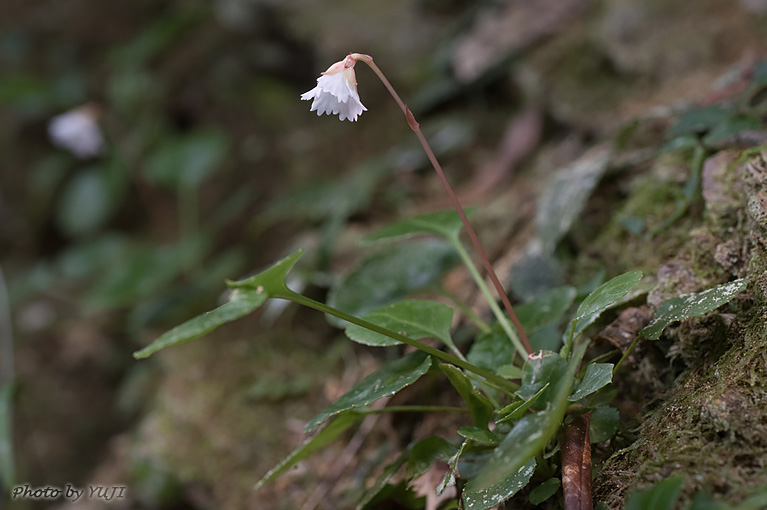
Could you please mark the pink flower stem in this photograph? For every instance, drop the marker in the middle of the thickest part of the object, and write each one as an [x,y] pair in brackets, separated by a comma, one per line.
[453,198]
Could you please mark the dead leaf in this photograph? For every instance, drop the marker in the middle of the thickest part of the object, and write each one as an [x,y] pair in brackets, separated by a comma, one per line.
[576,464]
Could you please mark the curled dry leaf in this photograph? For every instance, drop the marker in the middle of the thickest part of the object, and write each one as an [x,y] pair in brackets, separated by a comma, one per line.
[576,464]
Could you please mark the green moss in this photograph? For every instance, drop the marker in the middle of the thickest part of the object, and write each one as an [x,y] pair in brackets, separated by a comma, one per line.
[711,423]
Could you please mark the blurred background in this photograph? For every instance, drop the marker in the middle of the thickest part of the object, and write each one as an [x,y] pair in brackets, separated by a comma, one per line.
[200,163]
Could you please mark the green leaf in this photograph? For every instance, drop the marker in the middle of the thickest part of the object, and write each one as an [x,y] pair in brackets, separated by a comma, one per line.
[757,501]
[413,318]
[247,295]
[564,198]
[604,423]
[724,131]
[479,435]
[663,496]
[698,120]
[531,434]
[544,491]
[337,427]
[447,224]
[704,501]
[692,305]
[607,294]
[488,497]
[385,382]
[272,280]
[240,303]
[426,452]
[602,298]
[491,350]
[481,408]
[541,369]
[597,375]
[515,410]
[391,275]
[7,464]
[509,371]
[548,308]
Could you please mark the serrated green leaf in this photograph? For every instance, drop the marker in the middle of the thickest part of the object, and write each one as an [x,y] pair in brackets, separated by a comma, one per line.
[479,435]
[488,497]
[447,224]
[548,308]
[597,375]
[385,382]
[692,305]
[426,452]
[564,198]
[601,299]
[241,303]
[413,318]
[541,369]
[663,496]
[604,423]
[337,427]
[391,275]
[481,408]
[544,491]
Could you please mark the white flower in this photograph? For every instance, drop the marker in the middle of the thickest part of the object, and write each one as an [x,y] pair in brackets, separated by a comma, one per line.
[336,92]
[78,132]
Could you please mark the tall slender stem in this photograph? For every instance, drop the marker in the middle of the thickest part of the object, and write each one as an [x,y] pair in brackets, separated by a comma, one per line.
[499,315]
[493,380]
[453,199]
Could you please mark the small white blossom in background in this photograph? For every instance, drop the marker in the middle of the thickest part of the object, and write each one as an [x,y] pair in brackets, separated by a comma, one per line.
[78,132]
[336,92]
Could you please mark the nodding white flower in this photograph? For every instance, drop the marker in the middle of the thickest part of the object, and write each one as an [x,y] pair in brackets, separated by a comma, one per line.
[336,92]
[78,132]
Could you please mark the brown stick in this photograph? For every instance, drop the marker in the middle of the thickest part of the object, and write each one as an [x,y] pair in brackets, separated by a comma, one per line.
[576,464]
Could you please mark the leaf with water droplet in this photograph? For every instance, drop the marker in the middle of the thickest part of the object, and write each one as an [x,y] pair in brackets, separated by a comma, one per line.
[488,497]
[692,305]
[385,382]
